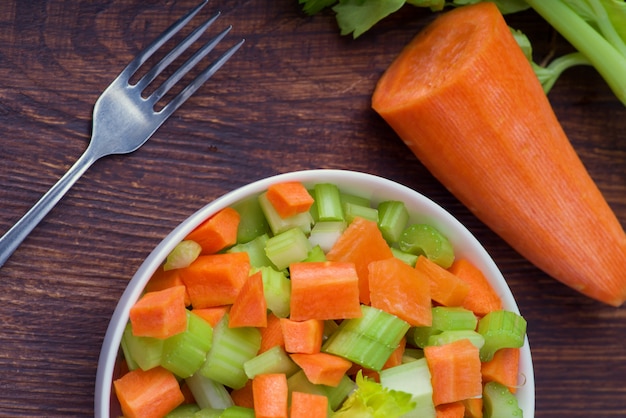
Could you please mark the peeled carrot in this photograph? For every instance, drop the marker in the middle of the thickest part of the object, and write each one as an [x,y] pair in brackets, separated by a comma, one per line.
[270,394]
[159,314]
[249,308]
[503,368]
[162,279]
[361,243]
[243,396]
[481,298]
[212,315]
[215,280]
[391,281]
[308,405]
[324,290]
[445,288]
[272,334]
[289,198]
[395,359]
[302,336]
[322,368]
[466,101]
[450,410]
[148,394]
[217,232]
[473,407]
[455,371]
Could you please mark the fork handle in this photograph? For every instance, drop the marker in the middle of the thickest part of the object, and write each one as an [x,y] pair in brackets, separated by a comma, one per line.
[18,232]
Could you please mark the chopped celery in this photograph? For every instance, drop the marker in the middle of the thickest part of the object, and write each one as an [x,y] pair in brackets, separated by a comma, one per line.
[237,412]
[182,255]
[354,200]
[142,352]
[328,202]
[316,254]
[277,224]
[255,249]
[408,258]
[501,329]
[447,337]
[208,413]
[298,382]
[413,378]
[392,219]
[418,336]
[499,402]
[252,222]
[325,233]
[337,394]
[412,354]
[277,291]
[208,393]
[184,411]
[352,210]
[445,318]
[232,347]
[184,353]
[427,240]
[288,247]
[130,362]
[274,360]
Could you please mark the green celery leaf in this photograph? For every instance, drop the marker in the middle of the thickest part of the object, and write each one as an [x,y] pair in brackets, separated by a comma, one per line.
[435,5]
[357,16]
[312,7]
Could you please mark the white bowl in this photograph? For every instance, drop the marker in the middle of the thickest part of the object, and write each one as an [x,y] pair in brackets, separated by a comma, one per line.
[377,189]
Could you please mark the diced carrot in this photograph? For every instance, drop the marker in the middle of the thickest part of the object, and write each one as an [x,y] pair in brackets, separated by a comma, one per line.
[324,290]
[395,359]
[455,371]
[218,232]
[270,395]
[212,315]
[464,98]
[289,198]
[160,314]
[162,279]
[473,407]
[308,405]
[322,368]
[445,288]
[503,368]
[302,336]
[249,308]
[361,243]
[450,410]
[272,334]
[481,298]
[243,396]
[215,280]
[399,289]
[148,394]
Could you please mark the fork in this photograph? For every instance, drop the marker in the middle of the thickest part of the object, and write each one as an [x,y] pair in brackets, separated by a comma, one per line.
[123,120]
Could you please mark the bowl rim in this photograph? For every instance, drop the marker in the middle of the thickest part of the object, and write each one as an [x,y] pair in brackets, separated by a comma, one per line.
[429,211]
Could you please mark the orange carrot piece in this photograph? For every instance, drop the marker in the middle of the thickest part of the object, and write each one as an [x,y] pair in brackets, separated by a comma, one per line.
[302,336]
[445,288]
[270,395]
[215,280]
[322,368]
[272,334]
[473,407]
[503,368]
[361,243]
[324,290]
[243,396]
[160,314]
[482,298]
[249,308]
[466,101]
[218,232]
[289,198]
[212,315]
[450,410]
[308,405]
[148,394]
[399,289]
[395,359]
[455,371]
[162,279]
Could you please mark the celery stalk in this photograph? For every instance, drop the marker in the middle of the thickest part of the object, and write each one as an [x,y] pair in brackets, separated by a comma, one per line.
[450,336]
[298,382]
[278,224]
[501,329]
[316,254]
[413,378]
[255,249]
[237,412]
[326,233]
[182,255]
[499,402]
[252,221]
[142,352]
[274,360]
[277,291]
[208,393]
[352,210]
[336,395]
[427,240]
[184,411]
[328,202]
[445,318]
[408,258]
[288,247]
[392,219]
[184,353]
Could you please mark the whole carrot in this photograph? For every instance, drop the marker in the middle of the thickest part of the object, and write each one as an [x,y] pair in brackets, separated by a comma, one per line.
[465,100]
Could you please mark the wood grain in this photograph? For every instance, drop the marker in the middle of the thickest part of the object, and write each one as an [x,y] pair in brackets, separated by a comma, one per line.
[296,96]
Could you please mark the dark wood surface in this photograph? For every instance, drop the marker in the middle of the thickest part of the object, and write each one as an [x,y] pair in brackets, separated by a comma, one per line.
[296,96]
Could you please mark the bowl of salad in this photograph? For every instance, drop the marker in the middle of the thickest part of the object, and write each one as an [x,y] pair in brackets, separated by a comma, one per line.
[320,290]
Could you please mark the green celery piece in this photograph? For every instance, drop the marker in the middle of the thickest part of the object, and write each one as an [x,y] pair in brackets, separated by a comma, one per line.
[183,254]
[184,353]
[378,325]
[316,254]
[278,224]
[255,249]
[209,393]
[288,247]
[237,412]
[326,233]
[252,221]
[328,202]
[427,240]
[330,327]
[298,382]
[353,210]
[130,361]
[393,217]
[143,352]
[412,354]
[274,360]
[358,16]
[447,337]
[446,318]
[277,291]
[499,402]
[418,336]
[232,347]
[413,378]
[408,258]
[208,413]
[338,394]
[501,329]
[354,199]
[184,411]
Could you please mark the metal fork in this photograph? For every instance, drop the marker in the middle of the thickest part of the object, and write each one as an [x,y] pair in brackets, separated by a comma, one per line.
[123,120]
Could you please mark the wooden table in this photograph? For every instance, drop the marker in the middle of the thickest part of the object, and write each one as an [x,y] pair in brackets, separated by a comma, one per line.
[296,96]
